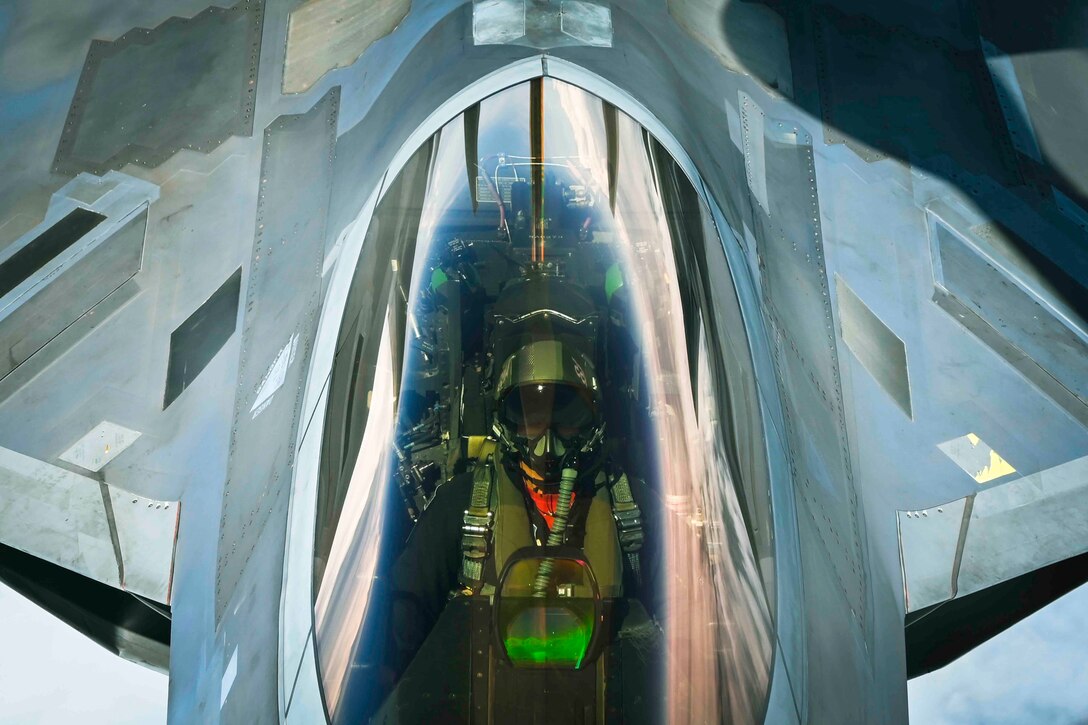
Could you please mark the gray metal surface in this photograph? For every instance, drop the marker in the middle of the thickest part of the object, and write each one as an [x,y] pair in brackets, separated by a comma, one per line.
[21,263]
[296,173]
[1025,525]
[68,286]
[752,121]
[111,364]
[327,34]
[541,25]
[147,95]
[43,53]
[1021,319]
[69,524]
[928,542]
[105,533]
[871,99]
[196,341]
[146,532]
[797,302]
[875,346]
[1011,98]
[995,535]
[758,45]
[1070,208]
[1043,79]
[69,291]
[99,446]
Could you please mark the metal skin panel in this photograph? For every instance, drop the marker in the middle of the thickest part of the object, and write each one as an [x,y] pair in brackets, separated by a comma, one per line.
[327,34]
[146,532]
[875,345]
[39,251]
[147,95]
[856,78]
[765,50]
[1025,525]
[59,345]
[248,564]
[1034,62]
[1070,208]
[925,539]
[99,446]
[110,535]
[996,535]
[797,302]
[1021,305]
[69,527]
[1011,98]
[755,156]
[43,55]
[1028,326]
[65,289]
[295,177]
[587,23]
[79,287]
[541,25]
[498,22]
[197,340]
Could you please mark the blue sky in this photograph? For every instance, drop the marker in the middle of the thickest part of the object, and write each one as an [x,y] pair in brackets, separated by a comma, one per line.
[1035,672]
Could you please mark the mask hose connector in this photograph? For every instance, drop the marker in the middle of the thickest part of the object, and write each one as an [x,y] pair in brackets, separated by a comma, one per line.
[559,527]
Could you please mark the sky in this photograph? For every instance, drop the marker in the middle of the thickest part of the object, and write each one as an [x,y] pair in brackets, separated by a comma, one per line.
[50,673]
[1034,672]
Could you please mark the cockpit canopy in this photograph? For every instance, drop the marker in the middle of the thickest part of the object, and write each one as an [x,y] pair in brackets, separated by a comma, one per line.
[551,321]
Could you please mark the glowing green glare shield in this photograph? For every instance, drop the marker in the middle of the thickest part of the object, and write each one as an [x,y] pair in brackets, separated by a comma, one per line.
[550,629]
[547,635]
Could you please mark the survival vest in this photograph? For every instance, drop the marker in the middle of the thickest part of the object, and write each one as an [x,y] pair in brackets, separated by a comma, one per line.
[496,523]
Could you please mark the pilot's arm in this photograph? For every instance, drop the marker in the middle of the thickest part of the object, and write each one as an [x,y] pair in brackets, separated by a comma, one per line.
[427,570]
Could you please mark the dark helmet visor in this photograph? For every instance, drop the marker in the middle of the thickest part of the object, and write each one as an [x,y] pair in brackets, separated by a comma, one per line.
[533,408]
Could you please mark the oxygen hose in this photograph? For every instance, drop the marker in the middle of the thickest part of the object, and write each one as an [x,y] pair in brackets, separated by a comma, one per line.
[559,527]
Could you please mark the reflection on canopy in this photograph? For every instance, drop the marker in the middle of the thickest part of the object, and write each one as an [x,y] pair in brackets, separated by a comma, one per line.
[558,330]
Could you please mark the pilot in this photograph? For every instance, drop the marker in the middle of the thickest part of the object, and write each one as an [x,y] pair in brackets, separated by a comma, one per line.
[549,481]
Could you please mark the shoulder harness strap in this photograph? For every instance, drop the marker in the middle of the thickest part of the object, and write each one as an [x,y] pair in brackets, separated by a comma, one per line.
[476,527]
[628,518]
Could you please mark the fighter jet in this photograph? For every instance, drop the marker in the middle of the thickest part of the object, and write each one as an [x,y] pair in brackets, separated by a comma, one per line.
[545,361]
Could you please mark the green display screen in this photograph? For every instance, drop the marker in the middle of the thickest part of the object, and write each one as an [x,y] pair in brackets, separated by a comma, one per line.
[546,633]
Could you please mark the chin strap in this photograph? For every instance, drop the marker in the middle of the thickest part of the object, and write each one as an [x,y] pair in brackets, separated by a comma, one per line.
[476,527]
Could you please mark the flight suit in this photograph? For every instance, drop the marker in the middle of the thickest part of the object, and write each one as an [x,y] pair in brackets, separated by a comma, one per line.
[428,570]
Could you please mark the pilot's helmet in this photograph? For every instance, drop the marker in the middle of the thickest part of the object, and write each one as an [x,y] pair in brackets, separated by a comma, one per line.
[548,408]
